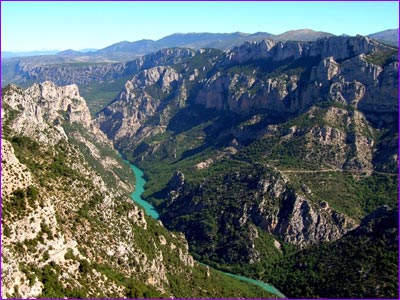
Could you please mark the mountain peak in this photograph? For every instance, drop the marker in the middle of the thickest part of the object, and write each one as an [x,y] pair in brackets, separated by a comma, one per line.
[389,36]
[69,52]
[303,35]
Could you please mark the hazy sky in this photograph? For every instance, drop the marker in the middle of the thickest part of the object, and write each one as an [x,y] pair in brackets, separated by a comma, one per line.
[77,25]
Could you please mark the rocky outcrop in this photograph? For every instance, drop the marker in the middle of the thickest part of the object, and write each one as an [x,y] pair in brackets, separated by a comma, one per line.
[175,186]
[44,105]
[284,78]
[326,70]
[378,102]
[142,98]
[79,74]
[177,181]
[309,223]
[353,81]
[296,219]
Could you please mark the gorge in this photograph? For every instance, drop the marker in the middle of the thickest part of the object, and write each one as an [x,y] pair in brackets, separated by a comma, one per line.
[272,160]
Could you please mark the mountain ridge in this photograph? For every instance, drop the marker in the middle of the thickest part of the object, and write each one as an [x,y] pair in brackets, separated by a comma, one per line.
[222,41]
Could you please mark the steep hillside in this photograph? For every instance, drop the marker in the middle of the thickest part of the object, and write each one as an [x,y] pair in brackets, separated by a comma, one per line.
[69,228]
[265,149]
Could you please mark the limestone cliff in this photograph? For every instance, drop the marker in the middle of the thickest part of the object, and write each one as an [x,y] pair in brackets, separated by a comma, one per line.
[354,80]
[285,78]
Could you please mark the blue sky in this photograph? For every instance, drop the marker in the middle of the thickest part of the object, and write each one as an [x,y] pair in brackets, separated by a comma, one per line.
[27,26]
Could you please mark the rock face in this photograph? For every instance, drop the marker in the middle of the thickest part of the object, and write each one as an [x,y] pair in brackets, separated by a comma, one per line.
[354,81]
[281,77]
[142,93]
[73,74]
[298,220]
[338,47]
[42,104]
[69,227]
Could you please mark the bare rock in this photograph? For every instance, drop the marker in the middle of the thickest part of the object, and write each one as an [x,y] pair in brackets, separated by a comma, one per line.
[14,175]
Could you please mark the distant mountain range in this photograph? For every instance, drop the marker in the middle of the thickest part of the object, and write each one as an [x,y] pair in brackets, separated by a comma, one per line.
[10,54]
[124,51]
[222,41]
[390,36]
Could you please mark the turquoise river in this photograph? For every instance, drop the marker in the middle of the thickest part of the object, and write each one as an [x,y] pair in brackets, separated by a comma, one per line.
[152,212]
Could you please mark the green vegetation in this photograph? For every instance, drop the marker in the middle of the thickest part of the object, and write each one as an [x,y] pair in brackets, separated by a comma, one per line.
[18,203]
[227,209]
[134,288]
[382,58]
[53,287]
[10,116]
[60,166]
[267,69]
[215,239]
[218,283]
[180,147]
[348,194]
[361,265]
[197,284]
[99,94]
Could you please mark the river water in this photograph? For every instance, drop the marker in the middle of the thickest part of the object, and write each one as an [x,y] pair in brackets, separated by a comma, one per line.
[139,189]
[152,212]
